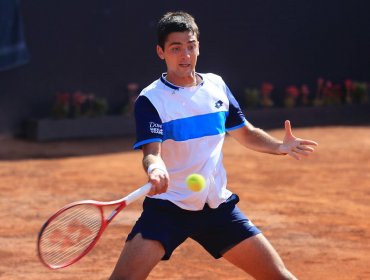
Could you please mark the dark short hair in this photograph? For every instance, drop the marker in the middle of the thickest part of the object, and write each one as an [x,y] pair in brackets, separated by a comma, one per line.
[175,22]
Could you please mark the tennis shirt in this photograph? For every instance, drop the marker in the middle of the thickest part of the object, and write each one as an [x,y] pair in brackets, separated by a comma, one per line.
[191,123]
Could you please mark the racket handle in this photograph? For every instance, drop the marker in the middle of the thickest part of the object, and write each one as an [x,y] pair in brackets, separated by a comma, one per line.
[138,193]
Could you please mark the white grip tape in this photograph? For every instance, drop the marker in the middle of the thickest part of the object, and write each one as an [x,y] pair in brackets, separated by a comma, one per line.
[138,193]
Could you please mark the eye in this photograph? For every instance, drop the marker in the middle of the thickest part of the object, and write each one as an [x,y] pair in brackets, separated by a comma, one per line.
[175,49]
[192,47]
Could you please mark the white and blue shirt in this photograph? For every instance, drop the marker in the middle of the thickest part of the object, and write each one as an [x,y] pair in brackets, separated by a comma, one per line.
[191,123]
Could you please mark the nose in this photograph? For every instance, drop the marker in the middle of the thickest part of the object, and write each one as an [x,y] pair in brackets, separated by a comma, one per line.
[185,52]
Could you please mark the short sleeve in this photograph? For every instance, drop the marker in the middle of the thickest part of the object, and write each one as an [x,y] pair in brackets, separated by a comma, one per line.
[148,123]
[235,118]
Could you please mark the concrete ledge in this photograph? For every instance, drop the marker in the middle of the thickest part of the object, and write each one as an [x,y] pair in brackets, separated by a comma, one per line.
[54,129]
[310,116]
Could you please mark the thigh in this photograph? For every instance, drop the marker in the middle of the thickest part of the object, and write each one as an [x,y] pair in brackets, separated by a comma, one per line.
[139,256]
[257,257]
[164,222]
[223,228]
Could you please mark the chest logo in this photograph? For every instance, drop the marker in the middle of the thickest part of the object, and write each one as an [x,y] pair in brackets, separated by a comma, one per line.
[218,104]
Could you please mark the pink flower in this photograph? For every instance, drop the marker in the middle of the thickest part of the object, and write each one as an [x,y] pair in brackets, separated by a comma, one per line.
[132,86]
[320,82]
[305,90]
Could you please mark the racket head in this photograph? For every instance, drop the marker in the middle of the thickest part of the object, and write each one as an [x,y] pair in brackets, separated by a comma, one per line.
[70,234]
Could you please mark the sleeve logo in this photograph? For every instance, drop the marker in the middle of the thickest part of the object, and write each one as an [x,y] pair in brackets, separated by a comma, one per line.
[155,128]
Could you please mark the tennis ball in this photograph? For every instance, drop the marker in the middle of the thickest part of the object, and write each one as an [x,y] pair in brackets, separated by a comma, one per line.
[195,182]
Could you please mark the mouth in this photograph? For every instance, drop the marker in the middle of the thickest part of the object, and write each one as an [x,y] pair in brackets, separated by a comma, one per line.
[184,65]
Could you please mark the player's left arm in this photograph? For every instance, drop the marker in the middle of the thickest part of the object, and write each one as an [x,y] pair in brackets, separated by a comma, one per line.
[259,140]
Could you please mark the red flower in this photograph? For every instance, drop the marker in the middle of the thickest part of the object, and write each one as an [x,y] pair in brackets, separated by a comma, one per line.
[63,98]
[79,98]
[292,91]
[348,84]
[266,89]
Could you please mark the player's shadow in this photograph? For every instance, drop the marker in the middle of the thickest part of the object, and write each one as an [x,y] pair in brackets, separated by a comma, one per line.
[17,148]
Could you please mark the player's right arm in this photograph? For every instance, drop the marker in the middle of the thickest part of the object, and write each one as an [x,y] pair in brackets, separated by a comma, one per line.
[155,167]
[149,134]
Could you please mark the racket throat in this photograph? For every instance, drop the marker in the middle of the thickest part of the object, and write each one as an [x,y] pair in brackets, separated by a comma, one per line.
[112,215]
[115,212]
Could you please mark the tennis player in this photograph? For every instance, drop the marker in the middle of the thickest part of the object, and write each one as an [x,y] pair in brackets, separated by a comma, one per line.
[181,121]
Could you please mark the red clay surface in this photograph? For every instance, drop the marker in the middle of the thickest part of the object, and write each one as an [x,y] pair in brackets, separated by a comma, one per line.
[316,212]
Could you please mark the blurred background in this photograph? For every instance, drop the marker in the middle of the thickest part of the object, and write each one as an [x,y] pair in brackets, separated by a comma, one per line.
[88,58]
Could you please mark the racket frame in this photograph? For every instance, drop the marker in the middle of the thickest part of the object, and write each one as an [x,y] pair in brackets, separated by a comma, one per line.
[122,203]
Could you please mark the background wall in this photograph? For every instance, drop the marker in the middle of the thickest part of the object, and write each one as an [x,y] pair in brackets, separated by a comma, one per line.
[100,46]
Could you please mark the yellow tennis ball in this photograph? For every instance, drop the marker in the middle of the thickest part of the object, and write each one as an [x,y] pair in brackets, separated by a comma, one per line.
[195,182]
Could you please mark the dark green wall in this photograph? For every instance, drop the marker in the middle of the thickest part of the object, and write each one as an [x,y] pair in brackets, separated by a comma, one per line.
[100,46]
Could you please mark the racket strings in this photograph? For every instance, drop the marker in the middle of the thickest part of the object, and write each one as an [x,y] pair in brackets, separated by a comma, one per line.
[68,235]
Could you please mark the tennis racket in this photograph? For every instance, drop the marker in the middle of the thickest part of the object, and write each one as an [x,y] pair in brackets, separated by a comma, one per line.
[72,232]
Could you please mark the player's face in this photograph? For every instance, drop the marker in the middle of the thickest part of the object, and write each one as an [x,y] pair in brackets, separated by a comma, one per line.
[180,52]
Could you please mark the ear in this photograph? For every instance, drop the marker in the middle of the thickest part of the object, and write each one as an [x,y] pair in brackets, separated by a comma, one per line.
[198,49]
[160,52]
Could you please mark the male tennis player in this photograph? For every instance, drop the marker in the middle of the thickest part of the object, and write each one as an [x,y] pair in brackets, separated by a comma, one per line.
[181,121]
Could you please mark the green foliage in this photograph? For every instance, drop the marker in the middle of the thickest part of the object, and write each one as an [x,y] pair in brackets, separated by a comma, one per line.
[360,93]
[251,97]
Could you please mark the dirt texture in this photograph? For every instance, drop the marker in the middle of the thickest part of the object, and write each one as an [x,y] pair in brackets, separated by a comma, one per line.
[316,212]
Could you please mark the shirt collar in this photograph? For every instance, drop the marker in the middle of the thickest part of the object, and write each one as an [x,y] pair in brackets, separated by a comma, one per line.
[172,86]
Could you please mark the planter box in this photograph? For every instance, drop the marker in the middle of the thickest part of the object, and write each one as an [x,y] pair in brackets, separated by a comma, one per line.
[105,126]
[117,126]
[269,118]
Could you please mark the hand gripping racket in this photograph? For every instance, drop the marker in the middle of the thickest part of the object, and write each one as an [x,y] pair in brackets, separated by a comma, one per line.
[72,232]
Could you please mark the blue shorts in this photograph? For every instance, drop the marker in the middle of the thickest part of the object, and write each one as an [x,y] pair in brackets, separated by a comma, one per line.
[217,230]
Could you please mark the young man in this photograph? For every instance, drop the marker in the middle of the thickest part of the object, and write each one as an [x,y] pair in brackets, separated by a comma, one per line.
[181,121]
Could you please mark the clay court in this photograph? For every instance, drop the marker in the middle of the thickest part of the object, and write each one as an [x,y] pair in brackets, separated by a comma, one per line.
[315,211]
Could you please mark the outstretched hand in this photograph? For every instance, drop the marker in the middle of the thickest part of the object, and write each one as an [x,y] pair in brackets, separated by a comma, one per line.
[295,147]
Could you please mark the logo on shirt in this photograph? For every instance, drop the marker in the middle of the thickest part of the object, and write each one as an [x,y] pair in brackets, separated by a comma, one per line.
[155,128]
[218,104]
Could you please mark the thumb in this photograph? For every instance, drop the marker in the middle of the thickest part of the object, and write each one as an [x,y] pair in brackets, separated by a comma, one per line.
[288,128]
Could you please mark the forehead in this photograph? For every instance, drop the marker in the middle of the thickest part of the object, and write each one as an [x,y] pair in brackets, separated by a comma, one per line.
[180,38]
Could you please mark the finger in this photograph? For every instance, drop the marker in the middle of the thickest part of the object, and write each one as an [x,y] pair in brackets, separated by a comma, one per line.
[154,180]
[301,152]
[308,142]
[152,190]
[305,148]
[164,184]
[288,128]
[294,155]
[159,182]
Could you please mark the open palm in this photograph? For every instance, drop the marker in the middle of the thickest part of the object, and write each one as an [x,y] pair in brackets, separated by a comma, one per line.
[294,146]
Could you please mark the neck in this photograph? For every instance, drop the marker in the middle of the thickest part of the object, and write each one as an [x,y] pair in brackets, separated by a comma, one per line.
[189,81]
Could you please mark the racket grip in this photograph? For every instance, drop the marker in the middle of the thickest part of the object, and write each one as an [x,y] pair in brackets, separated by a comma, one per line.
[138,193]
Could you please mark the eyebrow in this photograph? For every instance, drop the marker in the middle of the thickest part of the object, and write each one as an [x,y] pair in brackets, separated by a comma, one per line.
[179,43]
